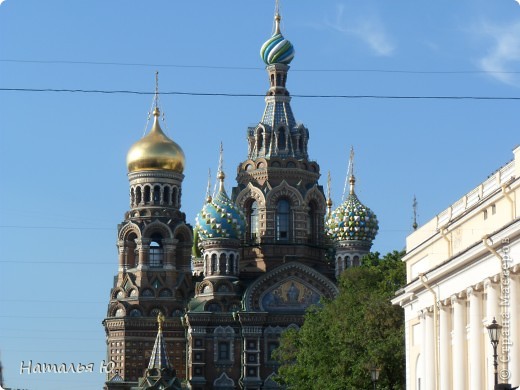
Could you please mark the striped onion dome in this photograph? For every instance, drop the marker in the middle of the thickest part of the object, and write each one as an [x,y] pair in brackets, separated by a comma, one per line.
[277,49]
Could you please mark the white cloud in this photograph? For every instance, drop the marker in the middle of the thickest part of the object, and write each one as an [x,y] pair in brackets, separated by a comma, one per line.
[1,1]
[367,28]
[504,55]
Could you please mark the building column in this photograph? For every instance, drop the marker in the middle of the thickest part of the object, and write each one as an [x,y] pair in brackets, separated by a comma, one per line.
[444,348]
[143,247]
[475,339]
[514,354]
[428,360]
[492,311]
[459,335]
[122,255]
[169,253]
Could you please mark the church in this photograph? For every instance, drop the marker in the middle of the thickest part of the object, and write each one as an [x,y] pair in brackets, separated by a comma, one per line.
[205,304]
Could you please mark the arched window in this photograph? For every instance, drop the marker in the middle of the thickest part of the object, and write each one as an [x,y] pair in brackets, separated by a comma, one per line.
[132,255]
[174,197]
[281,139]
[311,223]
[222,264]
[283,210]
[156,251]
[147,194]
[138,196]
[166,195]
[272,80]
[253,220]
[156,194]
[132,197]
[231,269]
[356,261]
[214,263]
[260,141]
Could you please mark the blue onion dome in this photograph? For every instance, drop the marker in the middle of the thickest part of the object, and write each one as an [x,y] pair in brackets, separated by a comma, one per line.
[352,220]
[277,49]
[219,217]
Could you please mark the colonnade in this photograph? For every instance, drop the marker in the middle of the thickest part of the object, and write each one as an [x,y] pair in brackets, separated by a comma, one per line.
[464,350]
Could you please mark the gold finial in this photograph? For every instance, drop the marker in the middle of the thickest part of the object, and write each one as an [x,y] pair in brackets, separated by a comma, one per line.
[208,189]
[352,178]
[414,205]
[160,320]
[156,111]
[220,174]
[277,18]
[329,200]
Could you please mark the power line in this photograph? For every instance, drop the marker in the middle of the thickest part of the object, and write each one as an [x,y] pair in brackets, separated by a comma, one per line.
[188,66]
[394,97]
[53,227]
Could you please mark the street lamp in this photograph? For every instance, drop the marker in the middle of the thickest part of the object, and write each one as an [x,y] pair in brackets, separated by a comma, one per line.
[374,372]
[494,330]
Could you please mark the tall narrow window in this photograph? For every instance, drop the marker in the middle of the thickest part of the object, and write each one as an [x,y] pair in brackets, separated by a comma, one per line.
[281,139]
[175,201]
[260,140]
[156,252]
[166,195]
[253,221]
[311,223]
[222,264]
[282,220]
[223,350]
[138,197]
[231,269]
[147,194]
[156,194]
[214,263]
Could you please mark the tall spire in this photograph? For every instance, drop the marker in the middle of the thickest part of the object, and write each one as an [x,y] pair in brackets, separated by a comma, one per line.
[220,174]
[208,188]
[156,111]
[329,199]
[352,178]
[277,18]
[159,358]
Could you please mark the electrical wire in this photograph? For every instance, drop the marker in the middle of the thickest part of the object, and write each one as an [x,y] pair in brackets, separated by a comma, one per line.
[69,62]
[395,97]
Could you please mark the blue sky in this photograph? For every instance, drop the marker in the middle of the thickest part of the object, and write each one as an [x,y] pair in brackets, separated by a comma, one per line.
[63,184]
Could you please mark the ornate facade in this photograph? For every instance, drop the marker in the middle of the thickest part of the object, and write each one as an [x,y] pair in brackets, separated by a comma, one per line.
[255,261]
[463,271]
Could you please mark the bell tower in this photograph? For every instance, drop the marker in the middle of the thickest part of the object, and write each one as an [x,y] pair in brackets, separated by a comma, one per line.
[277,185]
[154,274]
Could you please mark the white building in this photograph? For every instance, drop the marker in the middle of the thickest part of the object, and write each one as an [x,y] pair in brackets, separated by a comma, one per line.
[463,269]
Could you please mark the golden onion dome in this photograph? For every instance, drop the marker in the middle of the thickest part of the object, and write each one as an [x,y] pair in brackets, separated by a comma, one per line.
[155,151]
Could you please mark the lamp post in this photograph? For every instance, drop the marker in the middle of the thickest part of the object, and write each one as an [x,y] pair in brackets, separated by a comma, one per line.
[494,330]
[374,373]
